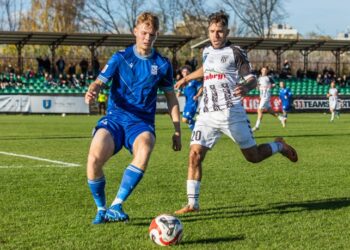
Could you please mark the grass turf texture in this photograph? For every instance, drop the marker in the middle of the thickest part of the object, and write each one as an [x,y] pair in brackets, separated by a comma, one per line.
[272,205]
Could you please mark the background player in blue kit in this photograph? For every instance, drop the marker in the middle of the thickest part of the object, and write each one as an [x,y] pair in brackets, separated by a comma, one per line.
[192,91]
[286,97]
[136,74]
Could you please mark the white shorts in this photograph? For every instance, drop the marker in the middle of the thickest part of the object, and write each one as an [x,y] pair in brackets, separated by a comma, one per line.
[264,103]
[333,104]
[232,122]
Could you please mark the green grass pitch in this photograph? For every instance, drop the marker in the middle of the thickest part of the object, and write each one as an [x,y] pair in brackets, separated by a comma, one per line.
[272,205]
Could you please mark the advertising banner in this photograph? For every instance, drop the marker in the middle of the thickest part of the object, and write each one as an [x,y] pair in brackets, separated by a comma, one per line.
[58,104]
[43,104]
[14,103]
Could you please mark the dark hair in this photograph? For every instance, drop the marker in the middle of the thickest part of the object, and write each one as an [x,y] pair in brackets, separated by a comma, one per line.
[218,17]
[186,67]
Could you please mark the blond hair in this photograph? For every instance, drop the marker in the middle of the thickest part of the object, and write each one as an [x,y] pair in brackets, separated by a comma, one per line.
[149,19]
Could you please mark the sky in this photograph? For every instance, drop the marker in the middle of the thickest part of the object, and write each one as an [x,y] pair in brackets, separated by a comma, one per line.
[326,17]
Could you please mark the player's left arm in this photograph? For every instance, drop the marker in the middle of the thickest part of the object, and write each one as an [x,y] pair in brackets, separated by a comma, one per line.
[174,111]
[173,105]
[245,71]
[199,93]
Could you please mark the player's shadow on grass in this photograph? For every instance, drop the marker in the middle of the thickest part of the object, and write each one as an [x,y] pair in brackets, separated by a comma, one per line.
[302,135]
[274,208]
[213,240]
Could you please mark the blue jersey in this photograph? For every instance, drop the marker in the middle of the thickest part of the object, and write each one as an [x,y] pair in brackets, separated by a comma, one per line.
[191,90]
[286,98]
[135,81]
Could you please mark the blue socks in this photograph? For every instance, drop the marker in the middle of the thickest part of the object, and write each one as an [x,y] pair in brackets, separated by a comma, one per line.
[191,123]
[132,176]
[276,147]
[97,188]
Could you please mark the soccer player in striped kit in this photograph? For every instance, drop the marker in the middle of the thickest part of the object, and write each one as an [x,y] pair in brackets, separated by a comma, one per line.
[221,109]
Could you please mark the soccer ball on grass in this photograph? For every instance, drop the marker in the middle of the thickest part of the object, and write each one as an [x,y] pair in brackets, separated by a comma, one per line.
[166,230]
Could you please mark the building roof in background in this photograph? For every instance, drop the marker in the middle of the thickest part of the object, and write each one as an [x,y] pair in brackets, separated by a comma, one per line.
[250,43]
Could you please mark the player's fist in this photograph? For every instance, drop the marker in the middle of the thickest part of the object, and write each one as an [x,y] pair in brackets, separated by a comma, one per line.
[241,90]
[92,93]
[90,97]
[177,141]
[180,83]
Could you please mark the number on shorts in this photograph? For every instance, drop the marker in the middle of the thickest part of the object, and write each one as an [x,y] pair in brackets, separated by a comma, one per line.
[196,135]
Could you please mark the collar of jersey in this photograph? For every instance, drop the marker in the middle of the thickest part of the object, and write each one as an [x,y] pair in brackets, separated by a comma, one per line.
[140,56]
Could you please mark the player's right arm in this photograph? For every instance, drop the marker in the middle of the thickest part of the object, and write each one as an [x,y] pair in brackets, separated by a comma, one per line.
[245,71]
[105,75]
[93,91]
[194,75]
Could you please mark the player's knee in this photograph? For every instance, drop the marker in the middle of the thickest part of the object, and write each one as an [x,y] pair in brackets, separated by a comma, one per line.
[95,161]
[195,157]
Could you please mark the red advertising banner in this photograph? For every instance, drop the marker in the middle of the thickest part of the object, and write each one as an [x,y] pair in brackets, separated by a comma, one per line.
[251,103]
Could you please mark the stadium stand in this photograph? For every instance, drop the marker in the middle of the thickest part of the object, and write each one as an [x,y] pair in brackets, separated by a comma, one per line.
[39,86]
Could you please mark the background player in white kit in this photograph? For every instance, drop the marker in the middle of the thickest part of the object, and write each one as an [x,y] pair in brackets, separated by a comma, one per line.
[221,110]
[333,101]
[265,83]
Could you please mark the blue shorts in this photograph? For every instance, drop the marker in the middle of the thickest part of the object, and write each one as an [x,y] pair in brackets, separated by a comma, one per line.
[286,107]
[124,128]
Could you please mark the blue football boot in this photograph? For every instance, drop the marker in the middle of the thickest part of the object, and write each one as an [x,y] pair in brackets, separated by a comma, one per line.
[116,213]
[100,217]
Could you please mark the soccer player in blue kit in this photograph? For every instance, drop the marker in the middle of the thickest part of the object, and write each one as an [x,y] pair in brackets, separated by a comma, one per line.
[192,92]
[136,73]
[286,98]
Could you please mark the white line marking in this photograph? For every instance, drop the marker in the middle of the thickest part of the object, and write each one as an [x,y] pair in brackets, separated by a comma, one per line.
[41,159]
[35,166]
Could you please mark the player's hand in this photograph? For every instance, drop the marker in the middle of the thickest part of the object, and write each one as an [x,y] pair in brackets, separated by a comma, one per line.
[177,141]
[180,83]
[195,98]
[241,90]
[92,93]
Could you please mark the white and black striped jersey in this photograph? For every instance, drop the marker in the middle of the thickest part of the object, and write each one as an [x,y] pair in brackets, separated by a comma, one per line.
[265,85]
[223,68]
[333,95]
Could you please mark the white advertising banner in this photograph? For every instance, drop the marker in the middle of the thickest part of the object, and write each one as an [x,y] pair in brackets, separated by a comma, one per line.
[319,104]
[14,103]
[42,104]
[58,104]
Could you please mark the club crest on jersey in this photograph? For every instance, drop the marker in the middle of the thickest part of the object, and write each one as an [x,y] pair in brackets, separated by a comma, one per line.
[224,59]
[154,70]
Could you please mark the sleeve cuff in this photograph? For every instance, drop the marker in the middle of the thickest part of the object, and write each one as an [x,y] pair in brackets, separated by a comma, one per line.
[249,76]
[102,78]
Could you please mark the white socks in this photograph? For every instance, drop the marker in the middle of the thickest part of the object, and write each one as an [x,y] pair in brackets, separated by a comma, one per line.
[193,192]
[257,124]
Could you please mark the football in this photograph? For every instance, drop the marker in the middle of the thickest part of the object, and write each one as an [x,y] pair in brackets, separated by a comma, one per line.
[166,230]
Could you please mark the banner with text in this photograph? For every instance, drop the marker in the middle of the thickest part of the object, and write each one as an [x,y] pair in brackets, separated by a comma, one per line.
[43,104]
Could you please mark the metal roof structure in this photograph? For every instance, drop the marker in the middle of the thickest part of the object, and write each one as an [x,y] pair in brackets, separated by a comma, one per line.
[91,40]
[85,39]
[250,43]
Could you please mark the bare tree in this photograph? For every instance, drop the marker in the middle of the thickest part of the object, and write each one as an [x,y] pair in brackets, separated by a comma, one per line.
[113,16]
[131,9]
[194,14]
[257,15]
[11,14]
[100,15]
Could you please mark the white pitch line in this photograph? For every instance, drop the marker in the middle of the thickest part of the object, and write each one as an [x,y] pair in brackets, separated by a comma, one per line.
[36,166]
[41,159]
